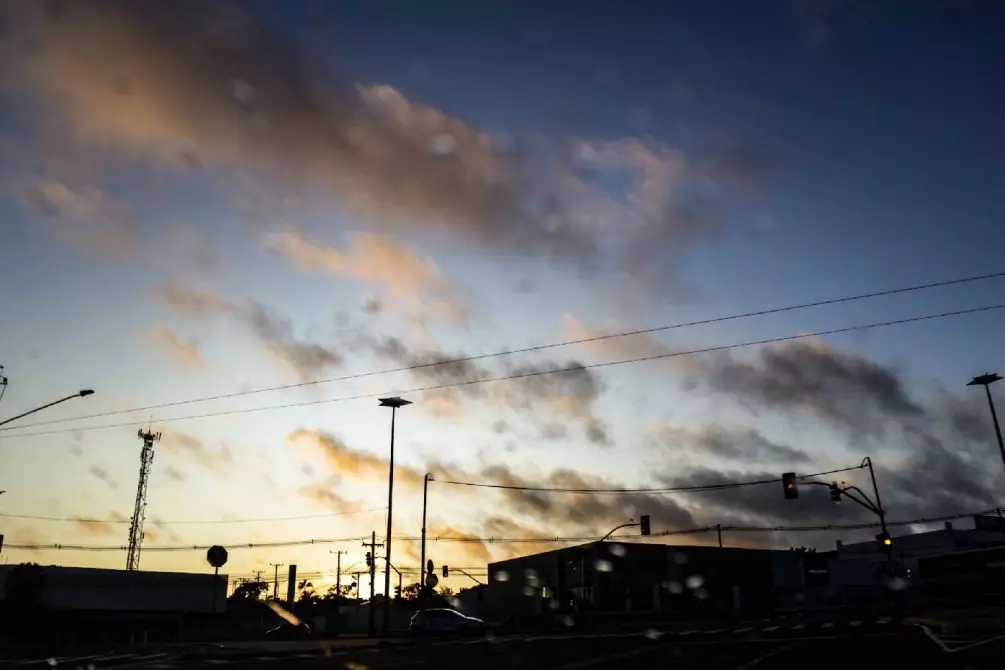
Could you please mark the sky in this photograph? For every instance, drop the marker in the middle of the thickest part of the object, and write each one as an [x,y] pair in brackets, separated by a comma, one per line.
[200,201]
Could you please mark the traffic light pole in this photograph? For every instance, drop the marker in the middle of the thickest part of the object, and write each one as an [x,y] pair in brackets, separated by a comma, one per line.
[373,563]
[875,491]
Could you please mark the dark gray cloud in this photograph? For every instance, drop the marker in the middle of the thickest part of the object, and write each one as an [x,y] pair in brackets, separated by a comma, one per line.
[104,476]
[206,85]
[744,445]
[848,391]
[545,392]
[309,359]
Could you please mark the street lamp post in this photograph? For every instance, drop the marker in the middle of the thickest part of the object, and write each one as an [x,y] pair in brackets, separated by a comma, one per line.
[394,403]
[79,394]
[986,380]
[422,563]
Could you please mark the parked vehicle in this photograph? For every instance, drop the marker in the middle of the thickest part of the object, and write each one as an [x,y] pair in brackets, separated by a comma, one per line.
[444,621]
[289,631]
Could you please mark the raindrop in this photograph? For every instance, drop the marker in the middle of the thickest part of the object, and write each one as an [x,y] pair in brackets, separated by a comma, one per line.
[695,582]
[675,587]
[456,604]
[898,584]
[569,621]
[617,550]
[530,574]
[51,661]
[679,558]
[602,565]
[553,604]
[702,594]
[501,576]
[442,144]
[653,634]
[529,590]
[243,93]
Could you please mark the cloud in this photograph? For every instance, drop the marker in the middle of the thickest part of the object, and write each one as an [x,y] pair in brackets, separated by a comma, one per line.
[410,278]
[173,474]
[85,217]
[344,461]
[308,359]
[191,448]
[541,389]
[94,526]
[845,390]
[614,348]
[196,86]
[741,445]
[187,354]
[324,496]
[104,476]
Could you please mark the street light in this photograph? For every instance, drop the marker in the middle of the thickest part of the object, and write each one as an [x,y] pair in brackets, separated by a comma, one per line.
[79,394]
[394,403]
[986,380]
[422,564]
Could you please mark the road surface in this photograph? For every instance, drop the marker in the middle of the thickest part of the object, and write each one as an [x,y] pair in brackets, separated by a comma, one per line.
[820,645]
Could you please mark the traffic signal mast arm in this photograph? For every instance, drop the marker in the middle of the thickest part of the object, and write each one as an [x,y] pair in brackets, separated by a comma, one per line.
[864,501]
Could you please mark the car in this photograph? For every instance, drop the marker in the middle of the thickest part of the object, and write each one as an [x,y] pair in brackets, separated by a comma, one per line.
[444,621]
[289,631]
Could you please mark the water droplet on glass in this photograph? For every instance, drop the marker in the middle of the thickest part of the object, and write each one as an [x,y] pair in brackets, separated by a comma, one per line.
[456,604]
[695,582]
[243,93]
[617,550]
[679,558]
[653,634]
[569,621]
[675,587]
[898,584]
[553,604]
[529,574]
[700,594]
[529,590]
[51,661]
[501,576]
[442,144]
[602,565]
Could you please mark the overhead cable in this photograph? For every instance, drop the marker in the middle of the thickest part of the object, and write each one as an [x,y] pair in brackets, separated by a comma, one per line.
[523,375]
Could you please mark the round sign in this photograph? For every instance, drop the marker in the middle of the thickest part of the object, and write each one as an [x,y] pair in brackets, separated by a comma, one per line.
[432,580]
[216,556]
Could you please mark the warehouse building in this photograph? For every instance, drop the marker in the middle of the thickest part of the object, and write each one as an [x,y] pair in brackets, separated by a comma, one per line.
[608,577]
[78,606]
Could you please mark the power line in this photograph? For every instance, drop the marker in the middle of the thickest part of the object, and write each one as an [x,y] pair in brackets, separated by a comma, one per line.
[79,519]
[540,347]
[508,540]
[675,489]
[527,375]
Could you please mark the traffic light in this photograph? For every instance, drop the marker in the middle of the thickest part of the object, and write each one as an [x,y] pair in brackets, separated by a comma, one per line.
[644,524]
[789,485]
[446,571]
[397,591]
[885,543]
[835,494]
[369,559]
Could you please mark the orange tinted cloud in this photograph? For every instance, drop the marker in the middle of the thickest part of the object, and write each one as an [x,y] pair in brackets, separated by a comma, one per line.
[187,354]
[346,461]
[411,278]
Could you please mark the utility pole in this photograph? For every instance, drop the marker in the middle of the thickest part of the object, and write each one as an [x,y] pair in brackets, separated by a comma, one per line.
[718,530]
[422,560]
[338,571]
[140,505]
[373,567]
[275,580]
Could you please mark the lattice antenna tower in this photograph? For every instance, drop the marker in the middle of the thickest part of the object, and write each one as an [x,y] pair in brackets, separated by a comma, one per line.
[140,508]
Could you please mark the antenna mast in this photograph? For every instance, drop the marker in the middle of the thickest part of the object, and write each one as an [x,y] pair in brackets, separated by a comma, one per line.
[140,508]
